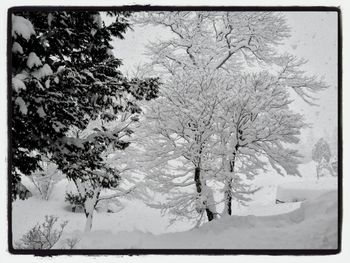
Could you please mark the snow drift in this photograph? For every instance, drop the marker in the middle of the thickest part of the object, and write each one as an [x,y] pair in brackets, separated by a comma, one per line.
[312,226]
[305,190]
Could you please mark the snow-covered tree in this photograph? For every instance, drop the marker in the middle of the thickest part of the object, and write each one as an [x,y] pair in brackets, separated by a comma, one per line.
[215,40]
[203,43]
[177,129]
[86,162]
[214,120]
[321,154]
[255,125]
[321,151]
[64,75]
[45,178]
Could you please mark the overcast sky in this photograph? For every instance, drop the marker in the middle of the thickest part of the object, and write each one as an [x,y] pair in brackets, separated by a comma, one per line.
[313,36]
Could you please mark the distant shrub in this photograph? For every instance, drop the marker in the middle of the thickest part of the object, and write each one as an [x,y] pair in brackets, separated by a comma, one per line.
[321,151]
[70,243]
[321,154]
[42,236]
[23,192]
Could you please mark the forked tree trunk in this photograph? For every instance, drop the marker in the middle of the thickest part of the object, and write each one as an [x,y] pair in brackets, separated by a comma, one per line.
[88,223]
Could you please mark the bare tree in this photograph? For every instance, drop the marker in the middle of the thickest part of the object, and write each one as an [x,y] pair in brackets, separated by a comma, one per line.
[43,236]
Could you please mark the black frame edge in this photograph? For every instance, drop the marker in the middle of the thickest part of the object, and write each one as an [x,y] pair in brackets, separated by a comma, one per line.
[134,252]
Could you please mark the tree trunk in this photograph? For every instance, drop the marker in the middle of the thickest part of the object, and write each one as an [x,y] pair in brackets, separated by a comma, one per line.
[197,179]
[318,169]
[210,214]
[88,224]
[197,174]
[89,207]
[228,186]
[228,196]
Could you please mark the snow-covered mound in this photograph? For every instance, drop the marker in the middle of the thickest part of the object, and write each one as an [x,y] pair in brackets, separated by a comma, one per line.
[304,190]
[312,226]
[136,215]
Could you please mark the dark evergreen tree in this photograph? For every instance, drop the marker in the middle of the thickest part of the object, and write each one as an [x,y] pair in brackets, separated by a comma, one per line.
[64,75]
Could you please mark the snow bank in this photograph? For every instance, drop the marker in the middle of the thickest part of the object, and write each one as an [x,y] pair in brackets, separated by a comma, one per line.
[262,224]
[312,226]
[305,190]
[135,215]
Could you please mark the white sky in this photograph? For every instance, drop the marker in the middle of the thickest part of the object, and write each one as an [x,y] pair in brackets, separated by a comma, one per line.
[313,37]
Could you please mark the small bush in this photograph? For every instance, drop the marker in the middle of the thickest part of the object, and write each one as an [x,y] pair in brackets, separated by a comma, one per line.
[70,243]
[75,200]
[23,192]
[43,236]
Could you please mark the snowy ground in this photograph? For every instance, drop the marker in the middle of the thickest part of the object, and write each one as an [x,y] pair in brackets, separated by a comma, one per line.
[262,224]
[312,226]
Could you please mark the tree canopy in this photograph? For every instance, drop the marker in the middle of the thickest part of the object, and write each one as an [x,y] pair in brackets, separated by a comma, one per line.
[65,74]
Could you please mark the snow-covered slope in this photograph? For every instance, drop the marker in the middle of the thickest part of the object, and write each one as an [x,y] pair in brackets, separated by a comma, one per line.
[304,190]
[312,226]
[136,215]
[260,224]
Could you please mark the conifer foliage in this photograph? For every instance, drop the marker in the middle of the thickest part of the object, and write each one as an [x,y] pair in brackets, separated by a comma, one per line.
[64,74]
